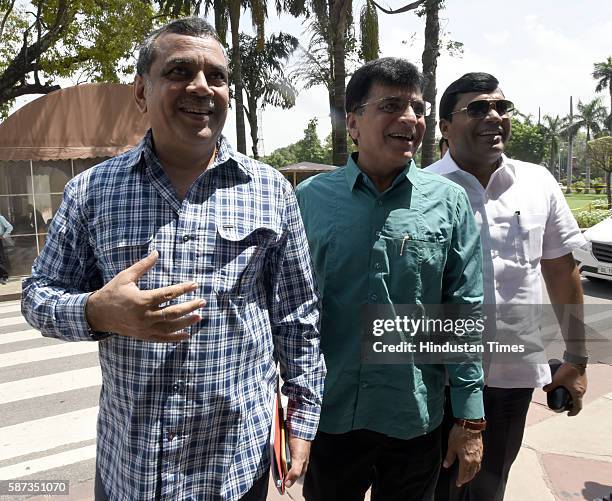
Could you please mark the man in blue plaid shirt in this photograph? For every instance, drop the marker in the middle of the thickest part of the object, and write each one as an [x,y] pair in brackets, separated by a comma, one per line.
[188,263]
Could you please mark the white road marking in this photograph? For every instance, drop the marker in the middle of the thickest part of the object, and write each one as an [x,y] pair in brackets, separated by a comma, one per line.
[47,353]
[47,433]
[48,385]
[15,337]
[47,463]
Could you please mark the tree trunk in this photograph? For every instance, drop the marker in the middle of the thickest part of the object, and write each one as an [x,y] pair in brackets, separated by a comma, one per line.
[570,149]
[608,191]
[610,115]
[587,164]
[430,63]
[234,14]
[251,114]
[338,116]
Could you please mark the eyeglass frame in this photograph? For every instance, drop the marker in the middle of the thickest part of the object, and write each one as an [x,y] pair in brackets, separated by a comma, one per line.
[508,113]
[409,102]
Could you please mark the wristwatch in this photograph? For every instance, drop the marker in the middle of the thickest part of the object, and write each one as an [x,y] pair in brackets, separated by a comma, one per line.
[577,360]
[472,424]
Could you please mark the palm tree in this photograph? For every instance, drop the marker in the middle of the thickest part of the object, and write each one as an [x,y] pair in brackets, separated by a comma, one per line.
[591,116]
[264,77]
[430,64]
[603,73]
[333,25]
[552,129]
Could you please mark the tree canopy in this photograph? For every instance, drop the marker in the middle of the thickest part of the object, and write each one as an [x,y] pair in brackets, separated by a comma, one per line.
[89,40]
[527,142]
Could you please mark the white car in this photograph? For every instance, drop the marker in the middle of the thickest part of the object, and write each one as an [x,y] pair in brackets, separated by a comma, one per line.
[595,258]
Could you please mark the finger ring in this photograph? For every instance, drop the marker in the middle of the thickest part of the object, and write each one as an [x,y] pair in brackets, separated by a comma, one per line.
[163,313]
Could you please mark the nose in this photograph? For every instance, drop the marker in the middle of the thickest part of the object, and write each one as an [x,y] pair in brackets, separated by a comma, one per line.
[408,115]
[199,85]
[492,115]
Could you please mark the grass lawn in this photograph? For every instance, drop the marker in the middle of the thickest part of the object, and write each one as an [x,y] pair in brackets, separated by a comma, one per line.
[582,200]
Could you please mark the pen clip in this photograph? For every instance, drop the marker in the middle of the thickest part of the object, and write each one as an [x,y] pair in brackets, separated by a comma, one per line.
[406,237]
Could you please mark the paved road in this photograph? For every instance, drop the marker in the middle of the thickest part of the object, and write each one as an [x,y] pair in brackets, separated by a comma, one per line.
[48,403]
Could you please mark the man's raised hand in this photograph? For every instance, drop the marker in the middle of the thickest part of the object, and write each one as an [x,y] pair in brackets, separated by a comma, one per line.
[121,307]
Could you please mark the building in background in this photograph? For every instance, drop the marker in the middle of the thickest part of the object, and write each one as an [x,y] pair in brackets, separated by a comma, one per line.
[49,141]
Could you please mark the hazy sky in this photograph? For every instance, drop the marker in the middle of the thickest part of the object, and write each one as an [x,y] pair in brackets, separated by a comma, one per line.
[541,51]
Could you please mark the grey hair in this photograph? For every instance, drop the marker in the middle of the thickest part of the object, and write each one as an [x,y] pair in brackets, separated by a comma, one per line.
[191,26]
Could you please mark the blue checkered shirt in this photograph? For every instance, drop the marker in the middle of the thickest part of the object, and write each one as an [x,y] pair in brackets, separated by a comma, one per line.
[189,420]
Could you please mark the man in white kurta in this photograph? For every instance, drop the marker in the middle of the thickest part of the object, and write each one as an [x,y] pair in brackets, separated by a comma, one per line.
[527,232]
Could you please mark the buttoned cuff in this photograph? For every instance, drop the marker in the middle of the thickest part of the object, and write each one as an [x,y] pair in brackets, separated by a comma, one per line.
[70,320]
[467,403]
[303,420]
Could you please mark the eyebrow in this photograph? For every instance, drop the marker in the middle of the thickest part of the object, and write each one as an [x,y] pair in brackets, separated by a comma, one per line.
[188,61]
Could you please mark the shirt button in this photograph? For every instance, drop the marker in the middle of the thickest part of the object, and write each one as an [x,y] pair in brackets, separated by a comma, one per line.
[373,297]
[377,266]
[186,238]
[171,436]
[364,385]
[379,203]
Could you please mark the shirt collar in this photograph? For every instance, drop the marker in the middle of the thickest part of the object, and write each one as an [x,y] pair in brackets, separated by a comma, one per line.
[353,172]
[225,154]
[448,165]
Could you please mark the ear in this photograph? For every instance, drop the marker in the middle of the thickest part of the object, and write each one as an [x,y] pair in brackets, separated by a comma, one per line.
[139,93]
[444,127]
[351,125]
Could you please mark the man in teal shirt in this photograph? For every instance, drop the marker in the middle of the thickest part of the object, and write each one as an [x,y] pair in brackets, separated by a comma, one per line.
[383,232]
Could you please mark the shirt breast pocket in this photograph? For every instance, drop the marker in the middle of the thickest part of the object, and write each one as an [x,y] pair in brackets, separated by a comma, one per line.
[120,251]
[518,238]
[239,256]
[415,252]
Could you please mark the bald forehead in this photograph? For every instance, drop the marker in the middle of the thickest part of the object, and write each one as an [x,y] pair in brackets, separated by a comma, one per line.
[187,47]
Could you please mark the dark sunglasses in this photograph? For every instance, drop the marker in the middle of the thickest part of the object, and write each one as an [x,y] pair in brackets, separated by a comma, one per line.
[480,109]
[396,105]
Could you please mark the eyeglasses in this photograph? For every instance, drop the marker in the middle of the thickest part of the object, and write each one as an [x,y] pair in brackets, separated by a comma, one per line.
[394,105]
[480,108]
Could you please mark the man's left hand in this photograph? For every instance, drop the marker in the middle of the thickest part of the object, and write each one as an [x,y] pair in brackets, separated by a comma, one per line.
[575,380]
[465,445]
[300,452]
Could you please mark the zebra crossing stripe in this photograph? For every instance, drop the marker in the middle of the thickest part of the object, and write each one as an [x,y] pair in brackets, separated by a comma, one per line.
[48,433]
[15,337]
[48,385]
[47,353]
[11,321]
[47,462]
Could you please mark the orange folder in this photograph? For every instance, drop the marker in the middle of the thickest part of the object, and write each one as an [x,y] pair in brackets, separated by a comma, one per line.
[281,459]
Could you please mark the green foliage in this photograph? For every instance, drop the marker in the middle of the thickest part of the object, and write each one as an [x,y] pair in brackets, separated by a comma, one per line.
[527,142]
[89,40]
[368,23]
[600,152]
[263,71]
[588,218]
[307,149]
[99,44]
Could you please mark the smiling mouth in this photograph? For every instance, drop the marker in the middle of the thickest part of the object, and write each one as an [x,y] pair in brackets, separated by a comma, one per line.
[197,111]
[402,137]
[491,133]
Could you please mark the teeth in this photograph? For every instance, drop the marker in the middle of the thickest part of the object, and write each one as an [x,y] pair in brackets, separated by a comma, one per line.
[401,136]
[188,110]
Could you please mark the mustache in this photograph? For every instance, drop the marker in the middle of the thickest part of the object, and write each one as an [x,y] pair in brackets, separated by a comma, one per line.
[207,103]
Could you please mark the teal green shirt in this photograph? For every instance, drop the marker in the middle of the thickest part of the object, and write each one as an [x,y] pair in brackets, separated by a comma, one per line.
[356,237]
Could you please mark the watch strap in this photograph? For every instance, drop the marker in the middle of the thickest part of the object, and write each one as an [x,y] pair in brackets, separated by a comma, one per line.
[472,424]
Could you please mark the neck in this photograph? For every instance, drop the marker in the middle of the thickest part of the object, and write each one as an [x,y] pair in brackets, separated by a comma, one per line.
[381,179]
[183,168]
[481,171]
